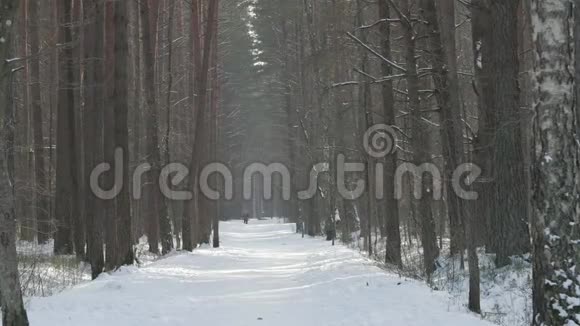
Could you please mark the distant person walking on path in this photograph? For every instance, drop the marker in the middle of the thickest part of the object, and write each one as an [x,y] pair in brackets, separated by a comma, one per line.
[246,217]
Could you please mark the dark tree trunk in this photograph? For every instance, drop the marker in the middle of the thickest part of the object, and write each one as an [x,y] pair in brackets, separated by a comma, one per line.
[444,61]
[23,163]
[93,122]
[393,231]
[156,209]
[110,219]
[66,174]
[40,189]
[13,313]
[137,210]
[291,121]
[165,203]
[443,46]
[124,249]
[168,106]
[150,206]
[420,140]
[483,142]
[77,161]
[200,117]
[509,222]
[189,212]
[214,122]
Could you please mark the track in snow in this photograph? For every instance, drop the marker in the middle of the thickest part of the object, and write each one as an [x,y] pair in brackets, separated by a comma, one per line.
[264,274]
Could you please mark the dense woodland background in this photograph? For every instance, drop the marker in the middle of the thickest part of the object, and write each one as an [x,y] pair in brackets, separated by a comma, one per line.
[295,82]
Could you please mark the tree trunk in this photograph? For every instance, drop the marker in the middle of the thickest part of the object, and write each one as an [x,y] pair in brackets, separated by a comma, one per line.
[66,174]
[556,170]
[420,139]
[483,142]
[13,313]
[447,82]
[40,189]
[124,249]
[215,126]
[77,161]
[291,121]
[93,121]
[137,210]
[393,231]
[189,212]
[509,229]
[156,209]
[199,116]
[110,218]
[150,207]
[165,219]
[52,98]
[168,106]
[23,164]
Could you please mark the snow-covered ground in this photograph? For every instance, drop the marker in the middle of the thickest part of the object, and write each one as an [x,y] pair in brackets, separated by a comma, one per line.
[43,274]
[264,274]
[506,293]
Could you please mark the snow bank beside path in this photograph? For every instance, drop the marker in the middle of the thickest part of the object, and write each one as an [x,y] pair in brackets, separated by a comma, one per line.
[264,274]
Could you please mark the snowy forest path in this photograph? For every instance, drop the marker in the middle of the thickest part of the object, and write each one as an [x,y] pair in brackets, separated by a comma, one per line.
[264,274]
